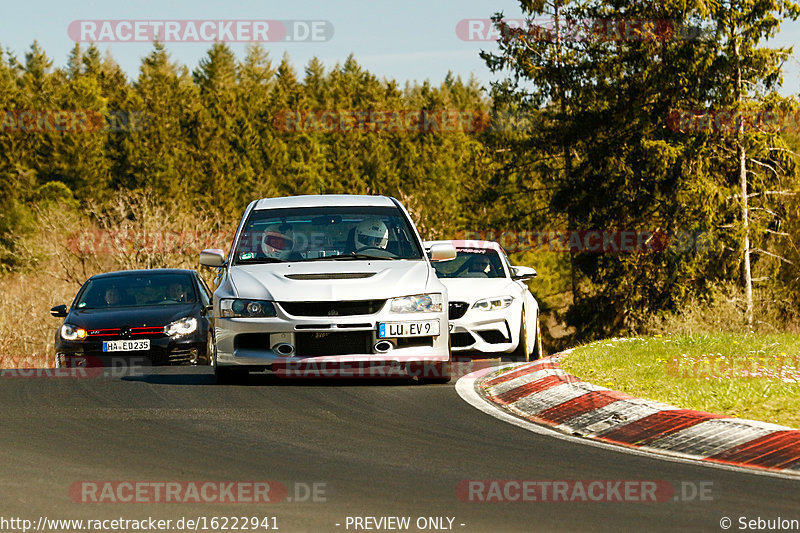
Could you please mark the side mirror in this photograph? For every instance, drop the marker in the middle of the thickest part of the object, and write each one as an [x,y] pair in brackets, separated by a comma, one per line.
[207,310]
[214,258]
[442,252]
[59,311]
[522,273]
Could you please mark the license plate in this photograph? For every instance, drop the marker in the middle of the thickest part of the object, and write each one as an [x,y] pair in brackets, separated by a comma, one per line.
[126,346]
[408,329]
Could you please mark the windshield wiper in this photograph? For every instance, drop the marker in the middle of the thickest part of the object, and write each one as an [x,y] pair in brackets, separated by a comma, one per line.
[347,256]
[258,260]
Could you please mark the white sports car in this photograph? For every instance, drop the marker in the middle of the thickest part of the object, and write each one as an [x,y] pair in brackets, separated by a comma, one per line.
[491,309]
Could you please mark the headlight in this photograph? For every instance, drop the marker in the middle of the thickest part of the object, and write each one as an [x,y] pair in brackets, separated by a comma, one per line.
[246,308]
[491,304]
[72,333]
[419,303]
[184,326]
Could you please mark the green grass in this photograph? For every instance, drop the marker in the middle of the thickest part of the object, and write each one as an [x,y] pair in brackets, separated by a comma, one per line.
[745,376]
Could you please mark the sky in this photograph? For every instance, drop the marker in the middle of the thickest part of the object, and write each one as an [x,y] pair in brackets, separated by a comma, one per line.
[407,40]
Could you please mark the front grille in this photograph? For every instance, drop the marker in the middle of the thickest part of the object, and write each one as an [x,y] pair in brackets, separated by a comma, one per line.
[493,336]
[346,308]
[146,331]
[342,275]
[183,356]
[324,343]
[462,339]
[457,310]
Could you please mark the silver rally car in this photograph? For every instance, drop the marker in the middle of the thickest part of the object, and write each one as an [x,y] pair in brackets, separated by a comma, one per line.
[328,280]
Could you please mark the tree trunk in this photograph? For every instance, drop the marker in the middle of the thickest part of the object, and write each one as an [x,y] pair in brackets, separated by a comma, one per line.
[567,153]
[747,278]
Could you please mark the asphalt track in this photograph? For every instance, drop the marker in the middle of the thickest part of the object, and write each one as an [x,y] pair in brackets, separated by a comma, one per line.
[378,449]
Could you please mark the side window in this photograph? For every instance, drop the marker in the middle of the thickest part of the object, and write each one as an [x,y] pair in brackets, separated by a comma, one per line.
[205,294]
[507,264]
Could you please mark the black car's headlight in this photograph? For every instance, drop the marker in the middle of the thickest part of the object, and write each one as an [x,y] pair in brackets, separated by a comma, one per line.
[72,333]
[419,303]
[490,304]
[237,308]
[181,327]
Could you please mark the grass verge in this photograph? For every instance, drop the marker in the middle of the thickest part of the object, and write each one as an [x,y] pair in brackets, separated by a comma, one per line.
[746,376]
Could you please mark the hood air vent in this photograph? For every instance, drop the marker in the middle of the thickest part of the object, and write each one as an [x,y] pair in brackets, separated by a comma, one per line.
[338,275]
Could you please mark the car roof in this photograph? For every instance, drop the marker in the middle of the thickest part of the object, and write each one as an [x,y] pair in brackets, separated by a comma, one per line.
[324,200]
[458,243]
[118,273]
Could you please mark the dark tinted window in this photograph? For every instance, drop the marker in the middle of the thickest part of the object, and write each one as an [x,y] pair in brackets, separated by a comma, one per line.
[471,263]
[307,234]
[137,290]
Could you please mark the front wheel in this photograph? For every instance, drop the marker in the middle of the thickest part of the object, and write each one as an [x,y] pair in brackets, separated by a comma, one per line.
[210,359]
[537,347]
[521,353]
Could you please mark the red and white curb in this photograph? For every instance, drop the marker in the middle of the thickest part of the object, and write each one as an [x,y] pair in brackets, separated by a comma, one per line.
[542,393]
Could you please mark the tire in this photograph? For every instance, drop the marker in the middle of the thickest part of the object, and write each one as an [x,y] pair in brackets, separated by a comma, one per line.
[521,354]
[537,348]
[210,359]
[227,375]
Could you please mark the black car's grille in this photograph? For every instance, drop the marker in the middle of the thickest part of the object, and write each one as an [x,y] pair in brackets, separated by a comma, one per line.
[457,310]
[134,333]
[183,356]
[493,336]
[346,308]
[351,342]
[462,339]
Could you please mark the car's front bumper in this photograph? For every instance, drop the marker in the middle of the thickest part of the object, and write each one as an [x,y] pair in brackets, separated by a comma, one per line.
[325,339]
[486,331]
[163,351]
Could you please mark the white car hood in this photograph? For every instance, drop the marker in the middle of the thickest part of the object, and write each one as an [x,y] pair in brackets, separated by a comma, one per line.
[474,289]
[379,280]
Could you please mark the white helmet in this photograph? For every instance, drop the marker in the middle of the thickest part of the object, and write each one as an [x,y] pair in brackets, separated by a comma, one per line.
[371,233]
[277,241]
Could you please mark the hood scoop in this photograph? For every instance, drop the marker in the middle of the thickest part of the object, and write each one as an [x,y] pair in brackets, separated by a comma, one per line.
[331,275]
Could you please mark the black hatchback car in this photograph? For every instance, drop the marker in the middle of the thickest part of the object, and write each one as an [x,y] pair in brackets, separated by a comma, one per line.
[148,317]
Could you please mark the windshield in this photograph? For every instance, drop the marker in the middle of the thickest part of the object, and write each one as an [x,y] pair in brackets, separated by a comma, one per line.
[137,290]
[471,263]
[326,233]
